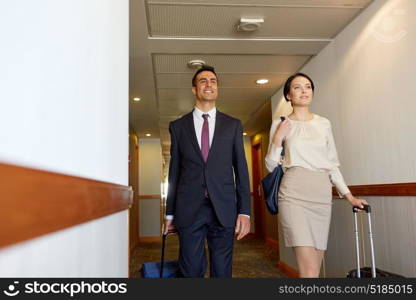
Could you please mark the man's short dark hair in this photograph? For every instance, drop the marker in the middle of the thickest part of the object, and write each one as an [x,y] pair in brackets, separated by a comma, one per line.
[286,89]
[204,68]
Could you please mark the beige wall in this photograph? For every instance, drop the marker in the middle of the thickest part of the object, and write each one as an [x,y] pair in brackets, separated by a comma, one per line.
[150,177]
[364,81]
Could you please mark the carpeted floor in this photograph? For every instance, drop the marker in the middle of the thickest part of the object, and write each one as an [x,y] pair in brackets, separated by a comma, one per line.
[252,257]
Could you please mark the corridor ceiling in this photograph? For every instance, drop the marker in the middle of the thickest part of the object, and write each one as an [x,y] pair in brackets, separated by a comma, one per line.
[166,34]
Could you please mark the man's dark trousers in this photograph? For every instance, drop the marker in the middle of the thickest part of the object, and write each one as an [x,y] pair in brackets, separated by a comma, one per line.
[192,257]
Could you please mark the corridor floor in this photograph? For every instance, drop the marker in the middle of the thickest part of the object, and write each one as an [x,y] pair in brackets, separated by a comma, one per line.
[252,257]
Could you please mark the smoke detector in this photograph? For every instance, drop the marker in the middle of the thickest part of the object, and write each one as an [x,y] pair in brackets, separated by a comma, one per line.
[249,24]
[196,64]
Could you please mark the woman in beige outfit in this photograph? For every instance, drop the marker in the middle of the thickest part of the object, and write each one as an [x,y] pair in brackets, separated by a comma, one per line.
[311,168]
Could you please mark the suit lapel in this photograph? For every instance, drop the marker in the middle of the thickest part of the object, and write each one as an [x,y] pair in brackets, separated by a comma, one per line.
[190,129]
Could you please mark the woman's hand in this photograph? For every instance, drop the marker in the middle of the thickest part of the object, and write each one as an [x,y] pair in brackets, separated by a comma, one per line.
[281,132]
[356,201]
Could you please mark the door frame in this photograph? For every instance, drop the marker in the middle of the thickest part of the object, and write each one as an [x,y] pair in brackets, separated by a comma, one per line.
[258,201]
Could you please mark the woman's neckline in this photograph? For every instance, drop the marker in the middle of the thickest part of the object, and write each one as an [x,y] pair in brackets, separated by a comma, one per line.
[313,117]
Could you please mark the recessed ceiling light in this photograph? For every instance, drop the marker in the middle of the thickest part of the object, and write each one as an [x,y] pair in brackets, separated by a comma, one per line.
[262,81]
[249,24]
[148,134]
[136,99]
[244,133]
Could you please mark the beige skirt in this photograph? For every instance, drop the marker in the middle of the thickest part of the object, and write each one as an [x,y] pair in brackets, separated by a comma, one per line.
[305,204]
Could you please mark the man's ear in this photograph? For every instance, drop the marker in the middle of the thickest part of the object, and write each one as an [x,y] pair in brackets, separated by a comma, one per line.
[194,90]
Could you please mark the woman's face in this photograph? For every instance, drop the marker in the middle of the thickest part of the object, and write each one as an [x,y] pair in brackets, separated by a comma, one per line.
[300,93]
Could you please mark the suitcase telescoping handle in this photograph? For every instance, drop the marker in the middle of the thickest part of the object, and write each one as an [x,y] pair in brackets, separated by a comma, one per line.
[367,209]
[162,259]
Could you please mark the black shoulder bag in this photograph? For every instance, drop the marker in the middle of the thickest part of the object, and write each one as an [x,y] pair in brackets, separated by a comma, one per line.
[271,184]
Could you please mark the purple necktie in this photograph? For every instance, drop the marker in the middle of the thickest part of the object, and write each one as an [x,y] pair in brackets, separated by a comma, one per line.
[205,141]
[205,138]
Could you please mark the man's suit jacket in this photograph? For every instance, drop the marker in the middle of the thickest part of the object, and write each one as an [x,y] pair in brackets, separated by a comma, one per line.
[224,175]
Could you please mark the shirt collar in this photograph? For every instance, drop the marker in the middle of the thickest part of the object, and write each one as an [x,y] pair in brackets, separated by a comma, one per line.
[212,113]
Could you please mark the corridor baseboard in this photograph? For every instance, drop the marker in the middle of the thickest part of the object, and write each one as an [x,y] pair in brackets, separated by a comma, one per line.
[154,196]
[287,270]
[272,243]
[250,235]
[148,239]
[35,202]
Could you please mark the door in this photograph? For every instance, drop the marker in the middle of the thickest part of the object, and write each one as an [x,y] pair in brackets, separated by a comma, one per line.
[134,183]
[258,201]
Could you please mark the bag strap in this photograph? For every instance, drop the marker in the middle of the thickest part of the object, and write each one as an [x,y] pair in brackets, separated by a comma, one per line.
[283,143]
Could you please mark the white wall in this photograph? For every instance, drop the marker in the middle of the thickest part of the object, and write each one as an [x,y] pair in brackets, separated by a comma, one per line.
[64,108]
[364,84]
[94,249]
[150,179]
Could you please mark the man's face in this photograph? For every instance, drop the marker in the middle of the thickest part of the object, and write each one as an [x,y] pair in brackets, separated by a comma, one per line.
[206,88]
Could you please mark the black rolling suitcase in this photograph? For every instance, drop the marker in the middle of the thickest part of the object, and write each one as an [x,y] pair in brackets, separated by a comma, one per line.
[162,269]
[366,272]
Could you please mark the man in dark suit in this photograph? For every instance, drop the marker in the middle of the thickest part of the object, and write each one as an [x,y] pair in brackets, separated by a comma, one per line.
[209,191]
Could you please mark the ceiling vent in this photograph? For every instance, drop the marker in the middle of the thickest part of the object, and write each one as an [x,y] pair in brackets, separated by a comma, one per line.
[249,24]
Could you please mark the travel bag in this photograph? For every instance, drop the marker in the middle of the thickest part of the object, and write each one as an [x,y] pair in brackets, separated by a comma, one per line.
[366,272]
[162,269]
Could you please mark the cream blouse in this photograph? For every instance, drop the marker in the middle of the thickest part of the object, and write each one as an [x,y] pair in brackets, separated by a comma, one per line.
[309,144]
